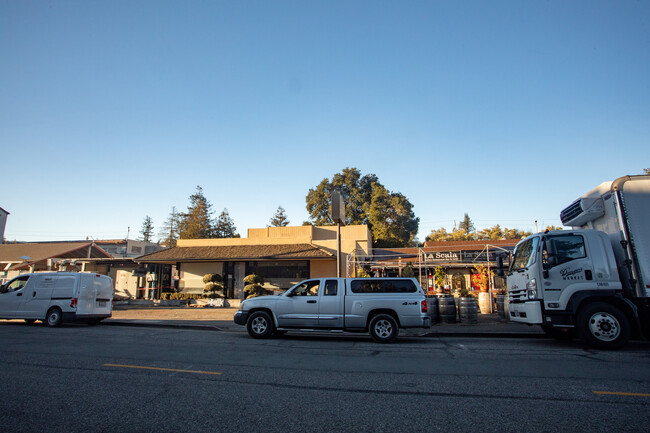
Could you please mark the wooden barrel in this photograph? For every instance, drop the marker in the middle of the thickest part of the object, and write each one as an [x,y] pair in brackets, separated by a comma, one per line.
[468,310]
[432,309]
[484,301]
[447,309]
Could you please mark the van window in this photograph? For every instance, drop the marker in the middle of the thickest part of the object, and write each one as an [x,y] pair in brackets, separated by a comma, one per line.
[383,286]
[17,284]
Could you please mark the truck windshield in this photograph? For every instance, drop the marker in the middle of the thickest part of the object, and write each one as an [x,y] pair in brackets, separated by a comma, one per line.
[525,254]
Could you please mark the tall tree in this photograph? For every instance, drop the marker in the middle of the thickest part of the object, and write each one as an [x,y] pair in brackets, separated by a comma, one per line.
[466,224]
[492,233]
[196,223]
[391,219]
[170,229]
[356,191]
[646,171]
[279,218]
[224,226]
[146,231]
[389,215]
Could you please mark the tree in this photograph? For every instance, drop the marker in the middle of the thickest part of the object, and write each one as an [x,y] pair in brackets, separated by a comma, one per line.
[491,233]
[438,235]
[356,191]
[213,286]
[466,224]
[196,223]
[279,218]
[224,226]
[388,215]
[391,219]
[170,229]
[515,233]
[646,171]
[147,229]
[552,228]
[254,286]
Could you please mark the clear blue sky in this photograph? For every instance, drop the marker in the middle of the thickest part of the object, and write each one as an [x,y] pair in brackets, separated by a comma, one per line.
[505,110]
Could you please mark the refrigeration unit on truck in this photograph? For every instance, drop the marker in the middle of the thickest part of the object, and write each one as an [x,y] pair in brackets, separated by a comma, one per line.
[593,281]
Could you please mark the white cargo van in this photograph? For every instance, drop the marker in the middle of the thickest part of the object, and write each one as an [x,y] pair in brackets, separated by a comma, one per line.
[56,297]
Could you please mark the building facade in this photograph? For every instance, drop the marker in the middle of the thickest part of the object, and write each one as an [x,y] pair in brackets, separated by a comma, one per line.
[283,256]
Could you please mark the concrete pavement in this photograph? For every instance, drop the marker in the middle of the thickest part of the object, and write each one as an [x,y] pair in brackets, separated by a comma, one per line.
[221,319]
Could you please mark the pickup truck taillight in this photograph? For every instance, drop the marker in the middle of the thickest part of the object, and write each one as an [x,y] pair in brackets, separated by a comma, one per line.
[423,306]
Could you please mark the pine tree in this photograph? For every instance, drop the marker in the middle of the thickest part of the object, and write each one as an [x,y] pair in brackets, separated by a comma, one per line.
[170,229]
[196,223]
[224,226]
[279,219]
[147,229]
[466,224]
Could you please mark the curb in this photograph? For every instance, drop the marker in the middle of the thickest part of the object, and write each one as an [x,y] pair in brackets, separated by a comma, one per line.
[431,334]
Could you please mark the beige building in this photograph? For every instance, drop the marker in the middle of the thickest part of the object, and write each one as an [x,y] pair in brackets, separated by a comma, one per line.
[282,255]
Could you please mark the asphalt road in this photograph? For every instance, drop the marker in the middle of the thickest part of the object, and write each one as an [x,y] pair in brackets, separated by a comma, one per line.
[135,379]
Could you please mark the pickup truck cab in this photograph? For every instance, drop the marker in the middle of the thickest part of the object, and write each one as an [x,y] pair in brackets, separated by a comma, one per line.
[379,306]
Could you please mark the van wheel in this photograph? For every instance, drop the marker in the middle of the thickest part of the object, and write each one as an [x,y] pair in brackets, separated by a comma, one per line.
[259,325]
[54,317]
[383,328]
[603,326]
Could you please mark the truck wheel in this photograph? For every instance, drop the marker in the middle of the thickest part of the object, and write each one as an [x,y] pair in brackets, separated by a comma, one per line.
[383,328]
[53,318]
[260,325]
[603,326]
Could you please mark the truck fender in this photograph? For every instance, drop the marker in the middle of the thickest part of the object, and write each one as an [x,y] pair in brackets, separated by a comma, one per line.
[388,311]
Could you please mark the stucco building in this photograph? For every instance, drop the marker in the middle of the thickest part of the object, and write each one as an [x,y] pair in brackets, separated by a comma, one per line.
[282,255]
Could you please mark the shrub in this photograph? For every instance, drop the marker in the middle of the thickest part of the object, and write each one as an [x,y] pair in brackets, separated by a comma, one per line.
[254,286]
[213,287]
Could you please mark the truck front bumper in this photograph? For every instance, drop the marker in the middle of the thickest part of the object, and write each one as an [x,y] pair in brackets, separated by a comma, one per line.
[241,317]
[526,312]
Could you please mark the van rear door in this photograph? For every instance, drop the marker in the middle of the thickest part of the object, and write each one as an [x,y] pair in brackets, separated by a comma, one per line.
[95,295]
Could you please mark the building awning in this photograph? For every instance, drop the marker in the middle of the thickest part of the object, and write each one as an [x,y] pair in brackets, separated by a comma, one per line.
[236,253]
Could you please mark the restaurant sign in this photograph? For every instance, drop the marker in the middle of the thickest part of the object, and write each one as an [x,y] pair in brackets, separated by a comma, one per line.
[461,256]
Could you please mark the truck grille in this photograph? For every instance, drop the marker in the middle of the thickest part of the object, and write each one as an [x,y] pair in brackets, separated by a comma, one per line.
[518,295]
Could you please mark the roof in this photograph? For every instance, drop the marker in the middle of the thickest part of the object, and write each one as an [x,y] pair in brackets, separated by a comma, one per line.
[38,252]
[237,252]
[468,245]
[2,210]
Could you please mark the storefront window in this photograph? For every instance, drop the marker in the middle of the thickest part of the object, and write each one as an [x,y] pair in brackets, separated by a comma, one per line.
[296,270]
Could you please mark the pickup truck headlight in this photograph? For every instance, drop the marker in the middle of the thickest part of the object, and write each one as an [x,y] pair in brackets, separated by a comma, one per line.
[532,289]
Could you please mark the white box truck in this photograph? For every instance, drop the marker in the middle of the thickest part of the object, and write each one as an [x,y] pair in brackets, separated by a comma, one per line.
[57,297]
[593,281]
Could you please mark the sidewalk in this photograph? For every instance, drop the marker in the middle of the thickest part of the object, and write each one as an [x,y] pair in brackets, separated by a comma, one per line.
[221,319]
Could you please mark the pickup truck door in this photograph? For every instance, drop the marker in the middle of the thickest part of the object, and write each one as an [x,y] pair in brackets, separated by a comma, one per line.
[300,309]
[330,309]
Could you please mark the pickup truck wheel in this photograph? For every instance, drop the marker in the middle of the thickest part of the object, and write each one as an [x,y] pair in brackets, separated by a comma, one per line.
[383,328]
[603,326]
[260,325]
[54,317]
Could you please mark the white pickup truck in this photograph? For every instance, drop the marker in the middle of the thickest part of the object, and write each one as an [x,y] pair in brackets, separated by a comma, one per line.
[379,306]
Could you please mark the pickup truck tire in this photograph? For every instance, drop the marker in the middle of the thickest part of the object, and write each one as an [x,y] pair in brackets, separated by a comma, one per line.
[260,325]
[603,326]
[383,328]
